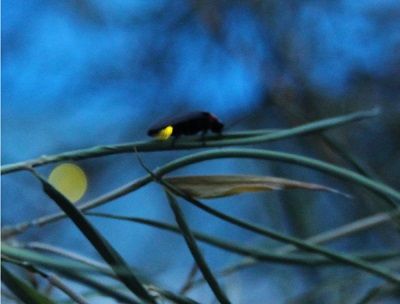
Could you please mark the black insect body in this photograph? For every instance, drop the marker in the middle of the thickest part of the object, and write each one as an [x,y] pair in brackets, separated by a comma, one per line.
[186,124]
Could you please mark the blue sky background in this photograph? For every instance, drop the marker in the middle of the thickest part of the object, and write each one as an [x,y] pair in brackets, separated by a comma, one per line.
[77,74]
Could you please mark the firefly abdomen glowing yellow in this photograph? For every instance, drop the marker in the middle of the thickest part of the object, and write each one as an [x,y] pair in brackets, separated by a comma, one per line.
[165,133]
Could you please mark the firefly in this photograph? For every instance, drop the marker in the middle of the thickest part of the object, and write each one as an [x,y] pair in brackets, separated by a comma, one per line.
[186,124]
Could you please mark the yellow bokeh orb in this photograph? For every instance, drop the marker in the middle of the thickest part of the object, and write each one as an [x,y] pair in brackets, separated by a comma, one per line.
[70,180]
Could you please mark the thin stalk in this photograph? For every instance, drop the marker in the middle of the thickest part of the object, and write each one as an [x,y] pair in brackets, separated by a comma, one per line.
[230,139]
[324,237]
[254,254]
[195,251]
[53,280]
[341,258]
[208,155]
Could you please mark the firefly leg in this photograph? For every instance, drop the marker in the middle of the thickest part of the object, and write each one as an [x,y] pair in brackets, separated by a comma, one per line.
[203,137]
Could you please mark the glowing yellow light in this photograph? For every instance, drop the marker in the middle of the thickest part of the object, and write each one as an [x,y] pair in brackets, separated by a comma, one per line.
[165,133]
[70,180]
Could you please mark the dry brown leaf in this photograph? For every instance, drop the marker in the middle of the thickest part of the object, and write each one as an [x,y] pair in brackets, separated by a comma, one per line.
[213,186]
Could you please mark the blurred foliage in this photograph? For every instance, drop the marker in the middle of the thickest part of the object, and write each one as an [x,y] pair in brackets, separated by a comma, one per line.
[84,73]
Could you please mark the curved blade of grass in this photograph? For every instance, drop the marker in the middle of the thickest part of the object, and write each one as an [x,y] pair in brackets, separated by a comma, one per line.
[109,254]
[55,263]
[255,253]
[145,146]
[348,229]
[106,290]
[162,294]
[52,279]
[216,154]
[197,255]
[67,268]
[75,270]
[282,157]
[173,296]
[379,293]
[360,168]
[22,290]
[342,258]
[113,291]
[258,254]
[69,255]
[323,237]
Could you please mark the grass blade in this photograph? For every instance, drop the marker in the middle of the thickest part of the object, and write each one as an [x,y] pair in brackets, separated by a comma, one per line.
[52,279]
[300,160]
[103,289]
[255,253]
[345,259]
[303,161]
[70,256]
[109,254]
[197,256]
[172,296]
[55,263]
[76,270]
[22,290]
[327,236]
[247,138]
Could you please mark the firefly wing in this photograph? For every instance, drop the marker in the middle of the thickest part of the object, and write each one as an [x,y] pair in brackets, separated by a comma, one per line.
[176,120]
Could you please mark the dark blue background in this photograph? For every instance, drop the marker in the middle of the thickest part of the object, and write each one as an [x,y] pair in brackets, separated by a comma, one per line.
[82,73]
